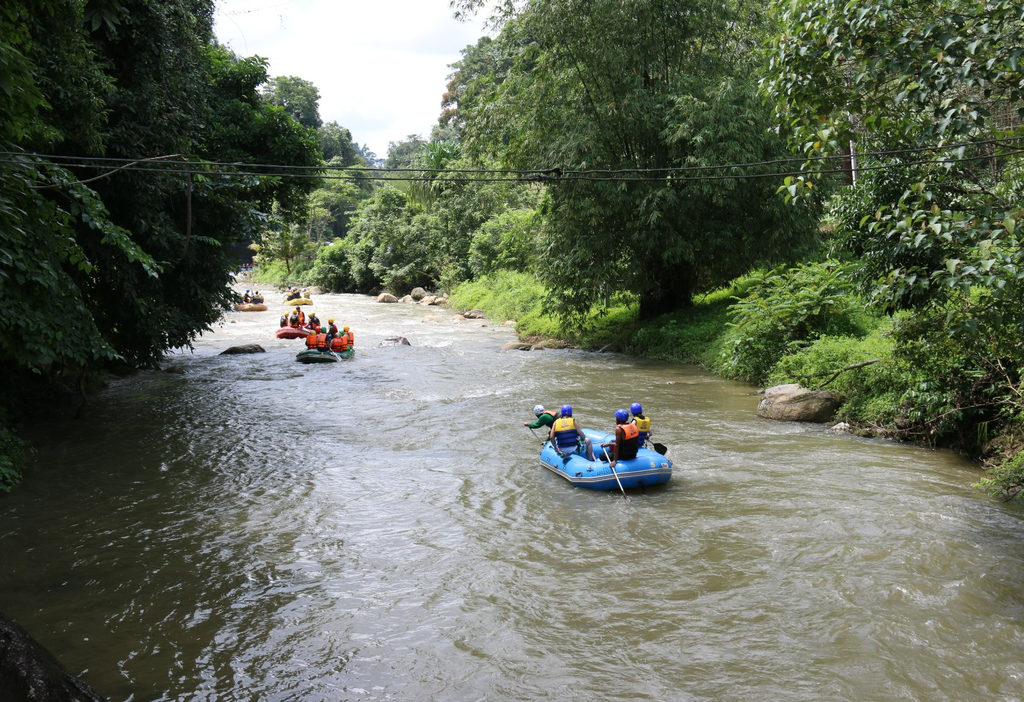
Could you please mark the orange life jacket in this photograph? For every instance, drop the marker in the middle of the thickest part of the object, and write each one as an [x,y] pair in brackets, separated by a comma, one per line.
[302,318]
[336,343]
[311,341]
[321,341]
[629,431]
[350,338]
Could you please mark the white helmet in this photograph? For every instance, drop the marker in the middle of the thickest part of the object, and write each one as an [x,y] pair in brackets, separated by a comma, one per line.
[538,410]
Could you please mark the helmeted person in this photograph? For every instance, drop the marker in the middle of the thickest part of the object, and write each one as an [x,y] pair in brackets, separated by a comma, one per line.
[332,329]
[545,418]
[349,336]
[246,297]
[292,294]
[339,343]
[567,437]
[642,422]
[257,297]
[311,340]
[284,319]
[293,318]
[627,439]
[302,318]
[312,320]
[322,342]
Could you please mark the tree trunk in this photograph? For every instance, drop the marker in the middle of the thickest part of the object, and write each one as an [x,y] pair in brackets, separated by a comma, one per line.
[674,292]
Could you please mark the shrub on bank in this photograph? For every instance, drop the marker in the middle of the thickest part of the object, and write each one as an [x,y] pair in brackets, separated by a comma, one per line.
[274,272]
[785,311]
[873,391]
[521,297]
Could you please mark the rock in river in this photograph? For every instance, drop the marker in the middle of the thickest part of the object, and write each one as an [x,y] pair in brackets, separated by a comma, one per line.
[795,403]
[245,348]
[395,341]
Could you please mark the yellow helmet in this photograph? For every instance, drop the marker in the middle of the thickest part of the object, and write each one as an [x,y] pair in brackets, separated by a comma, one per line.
[330,321]
[346,328]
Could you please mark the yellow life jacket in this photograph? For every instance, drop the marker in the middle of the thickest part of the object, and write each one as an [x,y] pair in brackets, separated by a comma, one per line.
[643,424]
[566,438]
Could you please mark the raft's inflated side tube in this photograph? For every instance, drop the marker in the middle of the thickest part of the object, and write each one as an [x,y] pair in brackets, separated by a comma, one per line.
[299,301]
[250,307]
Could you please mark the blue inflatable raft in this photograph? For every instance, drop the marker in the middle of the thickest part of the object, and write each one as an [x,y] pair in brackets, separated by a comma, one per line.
[648,468]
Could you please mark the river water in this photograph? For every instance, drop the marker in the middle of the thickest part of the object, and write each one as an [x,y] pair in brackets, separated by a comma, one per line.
[250,528]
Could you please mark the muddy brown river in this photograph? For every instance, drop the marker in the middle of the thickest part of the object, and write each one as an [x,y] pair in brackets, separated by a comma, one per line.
[250,528]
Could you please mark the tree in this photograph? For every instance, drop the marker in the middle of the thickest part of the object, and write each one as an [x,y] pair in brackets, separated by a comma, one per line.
[401,154]
[932,95]
[299,97]
[336,143]
[601,84]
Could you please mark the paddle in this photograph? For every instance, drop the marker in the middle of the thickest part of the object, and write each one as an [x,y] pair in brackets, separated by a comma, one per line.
[660,448]
[612,466]
[542,441]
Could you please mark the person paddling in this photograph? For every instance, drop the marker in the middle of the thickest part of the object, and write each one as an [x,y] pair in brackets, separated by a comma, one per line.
[545,418]
[643,423]
[567,437]
[627,439]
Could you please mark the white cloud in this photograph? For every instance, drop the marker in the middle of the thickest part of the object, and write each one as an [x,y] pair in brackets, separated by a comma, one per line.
[381,65]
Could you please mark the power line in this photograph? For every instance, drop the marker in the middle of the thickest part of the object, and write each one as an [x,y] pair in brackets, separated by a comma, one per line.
[537,171]
[184,166]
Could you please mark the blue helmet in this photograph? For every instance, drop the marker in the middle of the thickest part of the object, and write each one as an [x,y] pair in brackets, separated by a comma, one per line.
[566,410]
[621,415]
[635,408]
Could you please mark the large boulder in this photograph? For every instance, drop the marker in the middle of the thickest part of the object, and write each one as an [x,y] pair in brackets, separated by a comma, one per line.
[474,314]
[428,300]
[418,294]
[245,348]
[30,672]
[395,341]
[386,297]
[407,298]
[795,403]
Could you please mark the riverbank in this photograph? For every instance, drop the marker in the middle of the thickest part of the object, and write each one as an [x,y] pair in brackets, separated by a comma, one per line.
[809,330]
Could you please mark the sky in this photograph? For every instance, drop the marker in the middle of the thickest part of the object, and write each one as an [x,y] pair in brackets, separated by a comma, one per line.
[381,66]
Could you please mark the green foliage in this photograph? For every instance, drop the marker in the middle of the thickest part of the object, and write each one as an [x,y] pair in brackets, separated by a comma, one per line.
[332,269]
[637,88]
[299,97]
[509,240]
[873,392]
[13,451]
[1006,479]
[783,312]
[336,143]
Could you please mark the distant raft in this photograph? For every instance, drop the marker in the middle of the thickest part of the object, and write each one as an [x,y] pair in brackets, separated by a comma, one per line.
[648,468]
[251,307]
[287,332]
[324,356]
[299,301]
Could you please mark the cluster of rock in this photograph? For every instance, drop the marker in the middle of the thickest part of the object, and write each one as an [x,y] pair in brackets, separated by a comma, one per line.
[418,296]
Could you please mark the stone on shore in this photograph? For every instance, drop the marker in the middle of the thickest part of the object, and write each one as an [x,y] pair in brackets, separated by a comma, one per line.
[245,348]
[386,297]
[517,346]
[418,294]
[795,403]
[474,314]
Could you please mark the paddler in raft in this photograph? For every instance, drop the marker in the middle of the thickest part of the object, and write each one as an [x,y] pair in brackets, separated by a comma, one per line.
[643,423]
[627,439]
[312,320]
[567,437]
[545,418]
